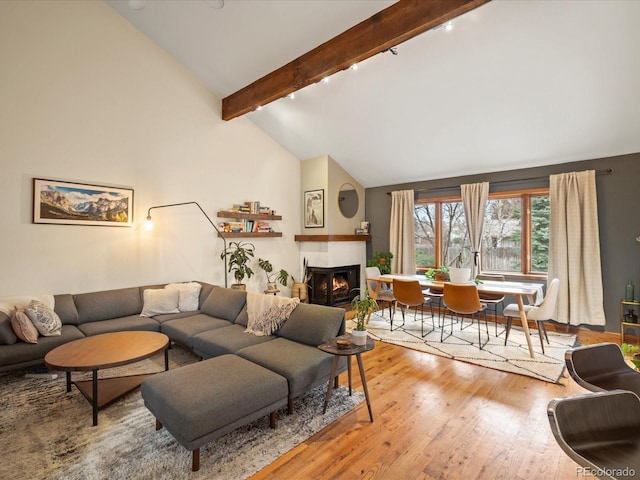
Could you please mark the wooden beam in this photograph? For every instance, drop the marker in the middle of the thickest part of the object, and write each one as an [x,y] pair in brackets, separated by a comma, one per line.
[387,28]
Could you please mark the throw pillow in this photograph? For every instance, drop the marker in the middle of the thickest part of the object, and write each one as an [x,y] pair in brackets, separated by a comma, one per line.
[188,295]
[7,335]
[158,301]
[44,319]
[23,327]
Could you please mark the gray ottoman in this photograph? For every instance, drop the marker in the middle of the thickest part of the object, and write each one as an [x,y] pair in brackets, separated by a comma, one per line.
[200,402]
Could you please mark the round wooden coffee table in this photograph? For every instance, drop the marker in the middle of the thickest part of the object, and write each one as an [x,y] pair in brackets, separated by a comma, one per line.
[107,350]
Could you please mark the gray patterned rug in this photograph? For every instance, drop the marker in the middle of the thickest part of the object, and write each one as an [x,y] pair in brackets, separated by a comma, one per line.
[46,433]
[462,345]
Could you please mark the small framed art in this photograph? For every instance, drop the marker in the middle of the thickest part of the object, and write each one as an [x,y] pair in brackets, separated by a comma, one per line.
[68,203]
[314,208]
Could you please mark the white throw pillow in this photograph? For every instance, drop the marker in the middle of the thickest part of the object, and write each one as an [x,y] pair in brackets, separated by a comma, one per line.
[44,319]
[189,295]
[158,301]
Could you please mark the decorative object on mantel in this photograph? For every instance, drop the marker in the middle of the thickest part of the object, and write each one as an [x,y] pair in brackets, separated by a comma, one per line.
[68,203]
[148,225]
[365,227]
[314,208]
[240,253]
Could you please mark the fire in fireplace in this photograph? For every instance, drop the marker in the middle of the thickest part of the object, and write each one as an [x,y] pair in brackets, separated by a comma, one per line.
[335,285]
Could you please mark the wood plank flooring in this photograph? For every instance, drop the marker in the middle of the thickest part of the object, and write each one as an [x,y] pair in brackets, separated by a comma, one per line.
[436,418]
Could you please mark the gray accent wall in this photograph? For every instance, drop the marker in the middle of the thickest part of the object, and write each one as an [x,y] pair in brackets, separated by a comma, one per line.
[618,215]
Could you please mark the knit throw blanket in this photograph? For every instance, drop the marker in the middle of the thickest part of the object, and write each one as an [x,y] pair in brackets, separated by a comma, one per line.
[267,313]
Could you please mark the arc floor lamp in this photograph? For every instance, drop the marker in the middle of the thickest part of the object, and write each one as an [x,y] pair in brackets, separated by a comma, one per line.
[149,226]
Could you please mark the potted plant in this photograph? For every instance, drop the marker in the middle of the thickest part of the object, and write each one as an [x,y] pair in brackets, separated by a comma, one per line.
[459,273]
[633,351]
[239,254]
[440,274]
[382,260]
[362,306]
[281,276]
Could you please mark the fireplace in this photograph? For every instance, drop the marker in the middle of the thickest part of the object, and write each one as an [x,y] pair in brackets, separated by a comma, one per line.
[335,285]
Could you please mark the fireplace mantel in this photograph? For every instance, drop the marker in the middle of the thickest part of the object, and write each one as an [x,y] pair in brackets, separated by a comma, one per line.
[332,238]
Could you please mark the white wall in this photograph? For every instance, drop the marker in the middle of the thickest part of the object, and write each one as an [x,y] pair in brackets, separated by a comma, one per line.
[85,97]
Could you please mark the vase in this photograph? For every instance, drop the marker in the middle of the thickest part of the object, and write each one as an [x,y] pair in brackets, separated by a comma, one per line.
[459,275]
[359,337]
[629,293]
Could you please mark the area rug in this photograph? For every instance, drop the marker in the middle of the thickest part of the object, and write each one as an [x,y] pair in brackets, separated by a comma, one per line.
[46,433]
[462,345]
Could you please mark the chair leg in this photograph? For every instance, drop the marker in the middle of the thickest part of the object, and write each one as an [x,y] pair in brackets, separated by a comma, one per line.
[542,333]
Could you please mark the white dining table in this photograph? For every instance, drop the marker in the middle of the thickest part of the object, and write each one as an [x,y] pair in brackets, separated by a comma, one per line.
[520,290]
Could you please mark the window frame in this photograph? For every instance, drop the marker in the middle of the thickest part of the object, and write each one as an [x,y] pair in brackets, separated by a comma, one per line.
[525,225]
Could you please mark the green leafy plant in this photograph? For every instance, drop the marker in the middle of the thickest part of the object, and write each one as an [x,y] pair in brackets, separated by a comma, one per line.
[362,306]
[382,260]
[281,276]
[432,273]
[239,254]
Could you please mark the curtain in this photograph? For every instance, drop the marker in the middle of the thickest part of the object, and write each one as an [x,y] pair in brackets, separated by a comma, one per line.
[402,233]
[474,200]
[574,248]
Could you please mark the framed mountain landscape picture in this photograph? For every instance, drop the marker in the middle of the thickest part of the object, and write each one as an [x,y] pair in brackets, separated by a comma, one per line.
[70,203]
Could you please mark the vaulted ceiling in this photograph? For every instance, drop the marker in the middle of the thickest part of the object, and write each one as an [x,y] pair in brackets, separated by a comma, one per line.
[513,84]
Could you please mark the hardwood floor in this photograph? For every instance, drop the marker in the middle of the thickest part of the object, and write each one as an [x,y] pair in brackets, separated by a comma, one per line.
[436,418]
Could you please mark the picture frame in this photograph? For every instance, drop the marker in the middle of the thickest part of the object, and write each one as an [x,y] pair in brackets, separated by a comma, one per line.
[70,203]
[314,208]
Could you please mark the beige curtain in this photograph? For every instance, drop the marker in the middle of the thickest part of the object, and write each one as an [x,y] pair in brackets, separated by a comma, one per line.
[474,200]
[402,233]
[574,248]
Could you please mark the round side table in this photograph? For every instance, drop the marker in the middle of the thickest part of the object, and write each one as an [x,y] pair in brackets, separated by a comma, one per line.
[332,347]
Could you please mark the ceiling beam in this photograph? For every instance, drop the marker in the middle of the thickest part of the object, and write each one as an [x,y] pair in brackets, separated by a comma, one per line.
[387,28]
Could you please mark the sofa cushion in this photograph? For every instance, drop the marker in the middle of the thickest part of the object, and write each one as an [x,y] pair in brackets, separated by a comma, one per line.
[108,304]
[122,324]
[7,335]
[158,301]
[66,309]
[22,355]
[23,327]
[220,341]
[44,319]
[188,295]
[182,330]
[302,365]
[224,303]
[313,324]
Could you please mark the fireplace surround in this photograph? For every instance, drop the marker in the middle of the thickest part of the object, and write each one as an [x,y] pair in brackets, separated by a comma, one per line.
[334,286]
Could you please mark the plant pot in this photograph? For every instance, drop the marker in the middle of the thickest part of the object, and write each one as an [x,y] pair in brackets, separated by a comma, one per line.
[359,337]
[238,286]
[459,275]
[635,359]
[272,287]
[441,277]
[299,290]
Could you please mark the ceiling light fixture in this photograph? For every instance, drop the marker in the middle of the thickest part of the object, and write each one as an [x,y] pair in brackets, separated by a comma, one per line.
[354,66]
[448,26]
[292,96]
[325,80]
[258,108]
[393,50]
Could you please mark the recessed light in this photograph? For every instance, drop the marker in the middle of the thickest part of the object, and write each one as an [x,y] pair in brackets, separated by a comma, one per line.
[325,80]
[448,26]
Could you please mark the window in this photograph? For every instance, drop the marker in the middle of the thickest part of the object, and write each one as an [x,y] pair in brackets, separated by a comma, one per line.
[515,237]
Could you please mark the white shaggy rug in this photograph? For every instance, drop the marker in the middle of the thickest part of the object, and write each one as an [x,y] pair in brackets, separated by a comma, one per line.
[46,433]
[462,345]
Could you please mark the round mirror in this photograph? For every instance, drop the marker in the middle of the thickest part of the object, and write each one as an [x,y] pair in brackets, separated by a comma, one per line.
[348,200]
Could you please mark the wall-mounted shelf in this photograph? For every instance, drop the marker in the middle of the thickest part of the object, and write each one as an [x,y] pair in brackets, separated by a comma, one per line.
[249,216]
[332,238]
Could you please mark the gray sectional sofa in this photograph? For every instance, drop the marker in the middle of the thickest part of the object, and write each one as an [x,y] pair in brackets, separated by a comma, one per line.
[215,329]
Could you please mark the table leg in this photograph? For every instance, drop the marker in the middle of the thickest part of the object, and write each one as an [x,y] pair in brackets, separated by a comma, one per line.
[334,368]
[525,325]
[68,381]
[364,384]
[349,372]
[166,359]
[94,400]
